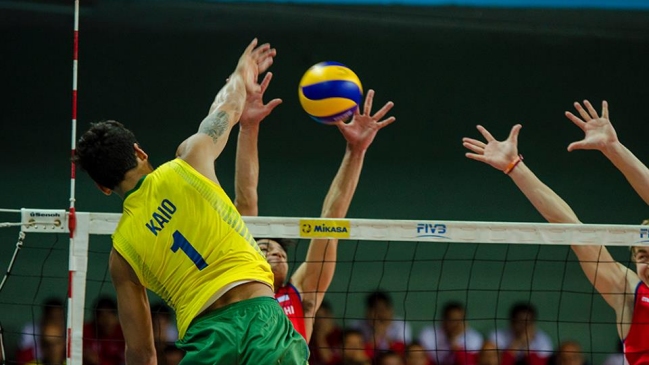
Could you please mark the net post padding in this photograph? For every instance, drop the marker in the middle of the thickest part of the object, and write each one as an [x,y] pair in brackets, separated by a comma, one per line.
[78,270]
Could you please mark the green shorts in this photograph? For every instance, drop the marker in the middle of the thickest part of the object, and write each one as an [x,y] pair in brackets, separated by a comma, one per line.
[254,331]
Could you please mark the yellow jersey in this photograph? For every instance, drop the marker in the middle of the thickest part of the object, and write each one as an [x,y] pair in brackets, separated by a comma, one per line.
[186,241]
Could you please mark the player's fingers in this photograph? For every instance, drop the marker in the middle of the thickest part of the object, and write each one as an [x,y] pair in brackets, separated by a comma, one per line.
[591,110]
[485,133]
[475,156]
[260,51]
[383,111]
[341,126]
[575,119]
[268,52]
[513,135]
[262,66]
[604,109]
[251,46]
[266,81]
[475,149]
[273,103]
[579,145]
[367,108]
[474,142]
[582,112]
[386,122]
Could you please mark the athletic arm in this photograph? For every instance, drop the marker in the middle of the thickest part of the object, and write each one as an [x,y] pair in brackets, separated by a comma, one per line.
[134,312]
[609,278]
[246,173]
[600,135]
[636,173]
[203,148]
[314,276]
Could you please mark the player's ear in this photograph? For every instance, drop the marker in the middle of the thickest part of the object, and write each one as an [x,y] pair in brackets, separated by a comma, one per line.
[104,189]
[139,152]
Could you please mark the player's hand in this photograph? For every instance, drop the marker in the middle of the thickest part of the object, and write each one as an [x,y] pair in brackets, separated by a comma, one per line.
[255,110]
[599,132]
[360,132]
[253,61]
[494,153]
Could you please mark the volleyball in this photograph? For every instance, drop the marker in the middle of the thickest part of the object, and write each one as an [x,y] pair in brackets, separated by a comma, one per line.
[330,92]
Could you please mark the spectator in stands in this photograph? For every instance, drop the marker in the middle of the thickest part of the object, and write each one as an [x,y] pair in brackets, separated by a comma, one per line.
[453,342]
[489,354]
[354,351]
[416,355]
[380,329]
[570,353]
[51,344]
[103,342]
[522,343]
[327,337]
[390,358]
[28,350]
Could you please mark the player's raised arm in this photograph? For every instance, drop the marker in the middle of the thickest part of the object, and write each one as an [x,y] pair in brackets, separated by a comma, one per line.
[611,279]
[600,135]
[313,277]
[246,174]
[201,149]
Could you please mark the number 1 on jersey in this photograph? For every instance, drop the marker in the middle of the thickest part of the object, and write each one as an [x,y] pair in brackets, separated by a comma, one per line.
[180,242]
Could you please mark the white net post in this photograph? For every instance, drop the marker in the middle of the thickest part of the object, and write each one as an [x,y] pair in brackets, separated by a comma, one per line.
[78,270]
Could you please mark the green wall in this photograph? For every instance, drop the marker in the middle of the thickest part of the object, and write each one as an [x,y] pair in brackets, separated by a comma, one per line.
[446,70]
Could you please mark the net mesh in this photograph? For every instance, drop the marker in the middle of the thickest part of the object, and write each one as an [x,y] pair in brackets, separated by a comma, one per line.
[422,276]
[34,288]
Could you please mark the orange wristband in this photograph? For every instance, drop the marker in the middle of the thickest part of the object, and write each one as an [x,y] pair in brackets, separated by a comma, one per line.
[513,164]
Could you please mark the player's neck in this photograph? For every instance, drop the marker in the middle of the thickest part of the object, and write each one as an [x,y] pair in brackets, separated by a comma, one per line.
[132,178]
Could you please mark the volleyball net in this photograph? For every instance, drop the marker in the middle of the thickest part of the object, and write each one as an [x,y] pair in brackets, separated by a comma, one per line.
[421,264]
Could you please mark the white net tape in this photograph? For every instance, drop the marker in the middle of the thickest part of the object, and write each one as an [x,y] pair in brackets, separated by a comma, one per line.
[387,230]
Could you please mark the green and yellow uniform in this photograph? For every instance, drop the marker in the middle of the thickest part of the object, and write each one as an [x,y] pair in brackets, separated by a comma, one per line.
[186,242]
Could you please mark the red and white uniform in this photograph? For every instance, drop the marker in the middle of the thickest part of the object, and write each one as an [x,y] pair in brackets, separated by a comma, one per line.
[289,299]
[636,343]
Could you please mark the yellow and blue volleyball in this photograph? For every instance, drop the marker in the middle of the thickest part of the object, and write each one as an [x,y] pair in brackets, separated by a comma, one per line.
[330,92]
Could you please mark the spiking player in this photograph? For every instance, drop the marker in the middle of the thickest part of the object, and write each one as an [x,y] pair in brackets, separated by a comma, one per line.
[181,237]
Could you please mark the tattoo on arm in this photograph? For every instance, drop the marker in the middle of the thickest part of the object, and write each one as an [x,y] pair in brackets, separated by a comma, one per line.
[215,125]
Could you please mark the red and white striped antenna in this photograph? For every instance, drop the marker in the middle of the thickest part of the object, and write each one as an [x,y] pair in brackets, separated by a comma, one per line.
[75,70]
[72,219]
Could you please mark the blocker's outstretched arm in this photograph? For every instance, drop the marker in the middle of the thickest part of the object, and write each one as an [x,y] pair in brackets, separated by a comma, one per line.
[314,276]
